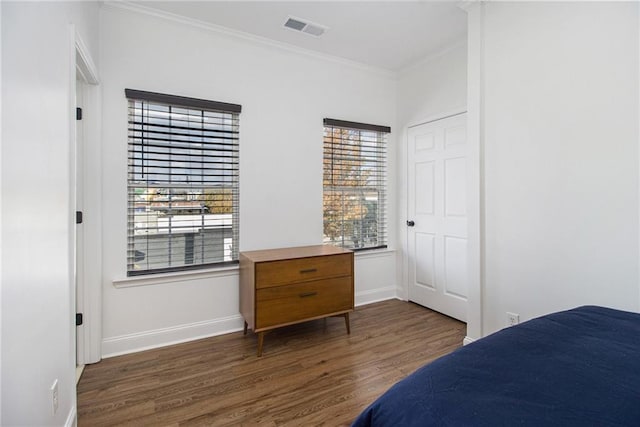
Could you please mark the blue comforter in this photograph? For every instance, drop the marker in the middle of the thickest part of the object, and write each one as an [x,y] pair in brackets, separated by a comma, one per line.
[579,367]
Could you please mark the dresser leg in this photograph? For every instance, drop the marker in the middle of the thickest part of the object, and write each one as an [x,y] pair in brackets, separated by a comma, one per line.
[246,325]
[260,342]
[346,321]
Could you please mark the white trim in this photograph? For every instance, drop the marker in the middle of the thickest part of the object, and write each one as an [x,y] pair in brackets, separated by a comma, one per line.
[468,340]
[147,340]
[403,212]
[183,276]
[79,371]
[240,35]
[1,208]
[375,295]
[91,269]
[72,421]
[86,65]
[179,276]
[378,253]
[68,395]
[475,192]
[435,117]
[132,343]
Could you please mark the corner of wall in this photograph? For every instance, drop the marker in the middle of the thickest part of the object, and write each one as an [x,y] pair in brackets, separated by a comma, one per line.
[475,195]
[638,130]
[1,310]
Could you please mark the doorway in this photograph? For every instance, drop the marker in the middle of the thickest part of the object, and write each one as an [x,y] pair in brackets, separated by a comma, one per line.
[79,240]
[87,200]
[437,237]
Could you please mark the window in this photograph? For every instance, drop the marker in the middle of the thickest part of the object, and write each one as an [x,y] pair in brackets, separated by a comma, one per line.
[355,179]
[182,183]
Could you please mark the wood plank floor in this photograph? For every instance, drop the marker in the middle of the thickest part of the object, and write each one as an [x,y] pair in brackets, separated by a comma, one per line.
[310,374]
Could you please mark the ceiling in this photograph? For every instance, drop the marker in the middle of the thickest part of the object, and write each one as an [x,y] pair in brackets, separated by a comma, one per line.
[384,34]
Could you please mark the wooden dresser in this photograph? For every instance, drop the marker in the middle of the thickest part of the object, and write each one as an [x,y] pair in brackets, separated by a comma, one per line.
[280,287]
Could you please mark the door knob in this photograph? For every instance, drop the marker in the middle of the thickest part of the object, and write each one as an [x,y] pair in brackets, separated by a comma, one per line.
[411,223]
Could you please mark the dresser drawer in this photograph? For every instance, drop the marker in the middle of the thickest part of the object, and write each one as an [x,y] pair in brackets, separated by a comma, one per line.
[276,273]
[292,303]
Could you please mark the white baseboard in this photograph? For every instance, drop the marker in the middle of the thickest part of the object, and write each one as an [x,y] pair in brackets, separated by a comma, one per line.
[147,340]
[71,418]
[375,295]
[132,343]
[467,340]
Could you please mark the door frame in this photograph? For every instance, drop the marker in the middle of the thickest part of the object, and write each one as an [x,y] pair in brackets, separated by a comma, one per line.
[474,306]
[83,66]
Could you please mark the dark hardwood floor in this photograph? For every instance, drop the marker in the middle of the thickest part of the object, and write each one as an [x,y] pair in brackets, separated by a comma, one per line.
[310,374]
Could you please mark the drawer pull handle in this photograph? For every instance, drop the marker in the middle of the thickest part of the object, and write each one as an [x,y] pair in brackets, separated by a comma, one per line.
[308,270]
[308,294]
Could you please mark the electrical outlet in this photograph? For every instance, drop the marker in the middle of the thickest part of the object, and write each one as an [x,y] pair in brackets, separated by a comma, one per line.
[512,319]
[54,396]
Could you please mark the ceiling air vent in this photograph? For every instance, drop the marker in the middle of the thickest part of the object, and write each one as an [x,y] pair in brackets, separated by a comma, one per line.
[307,27]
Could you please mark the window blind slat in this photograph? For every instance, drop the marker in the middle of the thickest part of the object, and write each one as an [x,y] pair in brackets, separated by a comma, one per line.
[183,184]
[148,140]
[355,178]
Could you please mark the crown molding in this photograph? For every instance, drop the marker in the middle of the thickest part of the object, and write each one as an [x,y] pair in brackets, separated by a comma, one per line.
[123,5]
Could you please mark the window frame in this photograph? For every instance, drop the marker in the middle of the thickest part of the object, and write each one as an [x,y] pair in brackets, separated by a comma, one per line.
[380,176]
[221,180]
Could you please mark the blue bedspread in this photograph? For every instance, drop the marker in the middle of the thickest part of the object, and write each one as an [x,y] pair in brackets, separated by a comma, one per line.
[579,367]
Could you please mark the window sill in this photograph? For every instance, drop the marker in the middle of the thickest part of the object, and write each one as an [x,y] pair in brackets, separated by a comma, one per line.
[374,253]
[181,276]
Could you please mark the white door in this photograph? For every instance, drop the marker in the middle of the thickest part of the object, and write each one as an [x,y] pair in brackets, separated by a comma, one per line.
[437,215]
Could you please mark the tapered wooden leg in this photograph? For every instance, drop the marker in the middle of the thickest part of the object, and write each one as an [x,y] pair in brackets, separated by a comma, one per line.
[246,325]
[346,321]
[260,342]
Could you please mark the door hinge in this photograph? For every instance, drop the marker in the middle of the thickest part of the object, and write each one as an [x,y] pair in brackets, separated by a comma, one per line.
[78,319]
[78,217]
[78,113]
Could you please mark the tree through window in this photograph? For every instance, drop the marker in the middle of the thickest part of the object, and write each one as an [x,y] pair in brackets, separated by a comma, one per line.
[354,184]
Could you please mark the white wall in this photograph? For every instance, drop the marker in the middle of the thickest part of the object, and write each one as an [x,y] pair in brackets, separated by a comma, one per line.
[37,288]
[433,88]
[559,122]
[284,96]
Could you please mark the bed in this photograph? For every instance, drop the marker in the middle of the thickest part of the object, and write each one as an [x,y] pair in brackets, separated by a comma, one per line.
[579,367]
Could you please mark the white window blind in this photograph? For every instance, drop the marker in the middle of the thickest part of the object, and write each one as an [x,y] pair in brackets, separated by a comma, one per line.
[183,193]
[355,181]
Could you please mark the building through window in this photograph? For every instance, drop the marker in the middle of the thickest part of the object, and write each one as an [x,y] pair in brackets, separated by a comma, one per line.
[183,193]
